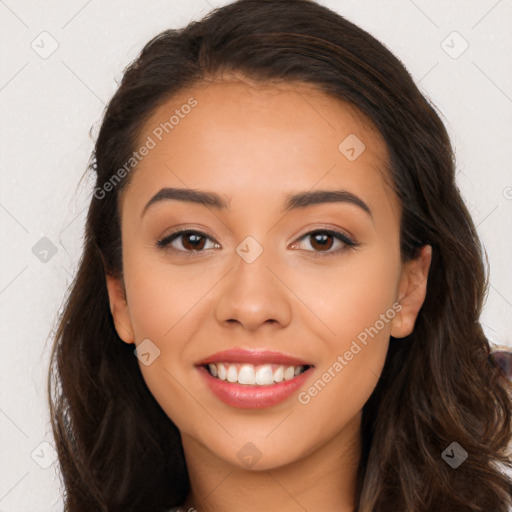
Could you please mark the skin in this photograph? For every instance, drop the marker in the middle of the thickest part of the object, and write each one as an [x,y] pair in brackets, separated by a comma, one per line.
[252,144]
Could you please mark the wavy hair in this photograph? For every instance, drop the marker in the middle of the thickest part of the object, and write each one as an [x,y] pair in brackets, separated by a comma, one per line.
[118,450]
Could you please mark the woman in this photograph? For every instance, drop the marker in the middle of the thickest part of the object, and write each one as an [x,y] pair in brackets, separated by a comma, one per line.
[269,375]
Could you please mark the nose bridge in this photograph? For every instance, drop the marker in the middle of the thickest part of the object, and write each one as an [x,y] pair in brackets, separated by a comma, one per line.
[252,294]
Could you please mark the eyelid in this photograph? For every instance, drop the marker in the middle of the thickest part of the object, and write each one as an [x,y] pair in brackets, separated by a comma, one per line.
[328,228]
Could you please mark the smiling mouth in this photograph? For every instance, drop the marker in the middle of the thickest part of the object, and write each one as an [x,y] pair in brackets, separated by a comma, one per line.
[254,375]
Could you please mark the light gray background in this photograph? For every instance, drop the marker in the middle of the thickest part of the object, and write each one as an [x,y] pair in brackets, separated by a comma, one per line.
[48,105]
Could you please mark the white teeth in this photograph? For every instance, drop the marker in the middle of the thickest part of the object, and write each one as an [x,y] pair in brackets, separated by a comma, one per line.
[232,373]
[221,369]
[279,374]
[246,375]
[289,373]
[263,375]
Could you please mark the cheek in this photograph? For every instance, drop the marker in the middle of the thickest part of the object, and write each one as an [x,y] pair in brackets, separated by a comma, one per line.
[359,311]
[165,307]
[352,295]
[162,297]
[352,358]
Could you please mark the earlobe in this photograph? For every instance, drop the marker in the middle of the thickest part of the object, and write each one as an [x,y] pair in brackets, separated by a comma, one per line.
[119,308]
[411,293]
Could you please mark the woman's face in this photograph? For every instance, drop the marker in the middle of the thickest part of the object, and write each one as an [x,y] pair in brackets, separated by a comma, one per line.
[267,274]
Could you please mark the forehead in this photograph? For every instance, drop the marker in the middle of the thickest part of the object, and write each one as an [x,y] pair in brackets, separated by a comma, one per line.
[241,138]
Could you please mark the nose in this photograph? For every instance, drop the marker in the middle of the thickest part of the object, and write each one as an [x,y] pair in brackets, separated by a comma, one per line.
[254,293]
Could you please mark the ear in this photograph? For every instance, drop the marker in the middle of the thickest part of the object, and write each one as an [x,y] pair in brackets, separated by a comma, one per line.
[412,290]
[119,308]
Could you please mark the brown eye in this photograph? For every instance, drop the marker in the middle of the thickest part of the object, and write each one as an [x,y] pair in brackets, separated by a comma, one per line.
[323,240]
[191,241]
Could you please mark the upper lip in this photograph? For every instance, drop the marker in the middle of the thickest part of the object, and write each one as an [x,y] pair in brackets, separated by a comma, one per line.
[254,357]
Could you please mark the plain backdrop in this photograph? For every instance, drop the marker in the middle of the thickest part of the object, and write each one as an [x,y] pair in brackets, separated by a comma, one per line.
[60,64]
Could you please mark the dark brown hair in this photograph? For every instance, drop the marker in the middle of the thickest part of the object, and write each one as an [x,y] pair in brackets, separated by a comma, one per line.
[119,451]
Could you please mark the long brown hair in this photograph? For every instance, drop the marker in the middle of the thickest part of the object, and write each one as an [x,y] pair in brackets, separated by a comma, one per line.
[119,451]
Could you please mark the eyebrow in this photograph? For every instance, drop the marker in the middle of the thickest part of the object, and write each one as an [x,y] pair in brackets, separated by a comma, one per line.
[292,201]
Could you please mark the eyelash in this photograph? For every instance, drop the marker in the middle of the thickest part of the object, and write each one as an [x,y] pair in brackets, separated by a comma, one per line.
[348,243]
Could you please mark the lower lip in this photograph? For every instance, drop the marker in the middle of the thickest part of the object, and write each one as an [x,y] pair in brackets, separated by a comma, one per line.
[253,397]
